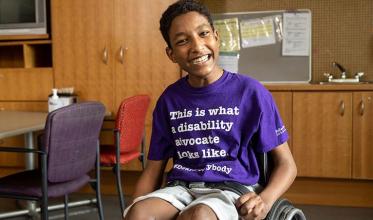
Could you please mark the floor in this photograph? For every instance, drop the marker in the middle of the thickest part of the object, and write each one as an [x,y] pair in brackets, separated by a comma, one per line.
[111,211]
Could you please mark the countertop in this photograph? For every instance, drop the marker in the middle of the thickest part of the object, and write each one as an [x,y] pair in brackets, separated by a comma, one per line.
[318,87]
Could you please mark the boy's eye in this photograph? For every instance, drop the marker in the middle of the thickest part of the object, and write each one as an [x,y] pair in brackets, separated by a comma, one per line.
[204,33]
[181,42]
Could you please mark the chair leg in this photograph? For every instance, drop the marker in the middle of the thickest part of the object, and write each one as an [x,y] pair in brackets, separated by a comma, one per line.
[116,170]
[66,208]
[44,186]
[99,202]
[142,158]
[98,184]
[142,155]
[44,208]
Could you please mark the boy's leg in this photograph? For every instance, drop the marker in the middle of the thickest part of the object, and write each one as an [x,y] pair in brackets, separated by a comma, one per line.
[164,203]
[198,212]
[151,209]
[211,204]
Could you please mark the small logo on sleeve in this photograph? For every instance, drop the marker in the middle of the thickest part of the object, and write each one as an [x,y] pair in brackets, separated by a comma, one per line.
[281,130]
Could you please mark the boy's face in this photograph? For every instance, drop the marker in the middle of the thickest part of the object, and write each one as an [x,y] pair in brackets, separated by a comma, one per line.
[195,47]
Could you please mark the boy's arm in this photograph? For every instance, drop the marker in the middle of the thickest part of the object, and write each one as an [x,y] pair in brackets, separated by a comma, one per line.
[252,206]
[151,178]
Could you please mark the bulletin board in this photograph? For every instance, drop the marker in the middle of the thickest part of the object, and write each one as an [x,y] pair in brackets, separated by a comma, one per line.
[269,62]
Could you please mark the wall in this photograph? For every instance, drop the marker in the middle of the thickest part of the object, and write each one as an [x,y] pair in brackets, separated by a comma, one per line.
[342,30]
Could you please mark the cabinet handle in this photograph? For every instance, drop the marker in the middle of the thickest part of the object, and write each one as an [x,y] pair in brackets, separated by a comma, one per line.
[121,54]
[105,56]
[342,108]
[362,107]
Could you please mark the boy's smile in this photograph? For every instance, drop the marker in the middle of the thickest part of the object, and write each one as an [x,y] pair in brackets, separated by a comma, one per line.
[195,47]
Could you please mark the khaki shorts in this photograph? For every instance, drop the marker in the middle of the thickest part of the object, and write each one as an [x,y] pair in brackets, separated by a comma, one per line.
[222,202]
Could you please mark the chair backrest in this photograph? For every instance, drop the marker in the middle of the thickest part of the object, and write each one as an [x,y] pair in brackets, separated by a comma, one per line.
[130,122]
[71,139]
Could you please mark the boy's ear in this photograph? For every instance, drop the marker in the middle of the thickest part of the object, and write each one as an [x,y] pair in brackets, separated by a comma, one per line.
[169,53]
[216,35]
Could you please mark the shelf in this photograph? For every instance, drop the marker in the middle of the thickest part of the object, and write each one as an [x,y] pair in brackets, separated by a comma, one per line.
[23,37]
[26,54]
[29,42]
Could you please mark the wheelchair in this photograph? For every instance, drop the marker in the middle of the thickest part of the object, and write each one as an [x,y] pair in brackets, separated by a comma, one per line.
[282,209]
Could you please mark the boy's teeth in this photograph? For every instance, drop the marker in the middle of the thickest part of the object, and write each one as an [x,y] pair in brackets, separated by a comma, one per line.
[201,59]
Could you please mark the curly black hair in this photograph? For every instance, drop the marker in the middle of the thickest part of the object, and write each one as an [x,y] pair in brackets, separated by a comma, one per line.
[178,8]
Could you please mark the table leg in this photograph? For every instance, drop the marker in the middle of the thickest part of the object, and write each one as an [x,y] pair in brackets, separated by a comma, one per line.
[29,144]
[30,164]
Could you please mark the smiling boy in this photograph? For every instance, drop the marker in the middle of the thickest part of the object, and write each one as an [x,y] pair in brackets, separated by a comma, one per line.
[210,123]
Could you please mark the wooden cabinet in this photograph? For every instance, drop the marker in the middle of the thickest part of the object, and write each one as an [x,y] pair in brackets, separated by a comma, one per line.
[332,133]
[20,84]
[322,133]
[26,79]
[25,70]
[110,50]
[362,135]
[82,52]
[284,102]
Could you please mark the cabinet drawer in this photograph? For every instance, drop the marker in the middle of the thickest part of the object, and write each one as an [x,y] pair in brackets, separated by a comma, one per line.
[25,84]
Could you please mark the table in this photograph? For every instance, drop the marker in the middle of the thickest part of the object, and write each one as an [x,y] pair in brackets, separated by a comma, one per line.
[14,123]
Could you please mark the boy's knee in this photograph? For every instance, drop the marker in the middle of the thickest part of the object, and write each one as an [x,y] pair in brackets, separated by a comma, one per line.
[200,211]
[137,212]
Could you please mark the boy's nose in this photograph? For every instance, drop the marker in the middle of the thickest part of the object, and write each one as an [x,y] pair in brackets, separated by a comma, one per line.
[197,45]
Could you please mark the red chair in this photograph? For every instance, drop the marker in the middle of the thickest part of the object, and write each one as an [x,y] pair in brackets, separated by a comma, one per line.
[129,138]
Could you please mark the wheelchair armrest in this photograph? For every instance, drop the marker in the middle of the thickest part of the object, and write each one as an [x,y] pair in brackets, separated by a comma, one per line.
[264,168]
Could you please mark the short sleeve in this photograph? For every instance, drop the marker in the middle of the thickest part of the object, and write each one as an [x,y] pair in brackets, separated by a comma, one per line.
[271,130]
[161,146]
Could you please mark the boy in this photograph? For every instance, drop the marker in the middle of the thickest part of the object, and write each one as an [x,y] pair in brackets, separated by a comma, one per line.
[211,123]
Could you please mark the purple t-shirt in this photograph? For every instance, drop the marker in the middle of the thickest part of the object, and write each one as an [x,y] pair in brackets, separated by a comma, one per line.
[213,132]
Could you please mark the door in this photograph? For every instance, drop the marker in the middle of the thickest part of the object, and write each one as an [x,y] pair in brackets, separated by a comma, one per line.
[82,33]
[322,133]
[362,133]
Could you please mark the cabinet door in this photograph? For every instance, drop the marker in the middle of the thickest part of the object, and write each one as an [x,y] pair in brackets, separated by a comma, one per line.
[363,131]
[82,32]
[144,67]
[322,133]
[20,84]
[141,64]
[284,102]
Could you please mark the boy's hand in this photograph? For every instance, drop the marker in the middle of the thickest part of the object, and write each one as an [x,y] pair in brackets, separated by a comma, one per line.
[250,206]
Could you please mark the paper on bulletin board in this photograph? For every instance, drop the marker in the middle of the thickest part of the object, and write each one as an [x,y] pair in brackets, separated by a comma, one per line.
[229,34]
[257,32]
[296,33]
[229,61]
